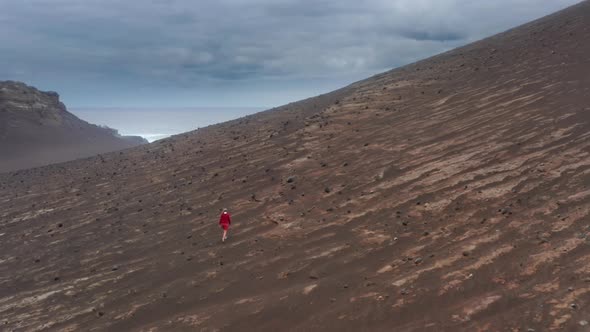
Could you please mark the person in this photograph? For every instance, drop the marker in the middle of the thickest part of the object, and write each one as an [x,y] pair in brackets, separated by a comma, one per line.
[224,222]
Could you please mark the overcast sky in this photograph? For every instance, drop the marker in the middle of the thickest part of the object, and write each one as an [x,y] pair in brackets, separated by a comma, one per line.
[171,53]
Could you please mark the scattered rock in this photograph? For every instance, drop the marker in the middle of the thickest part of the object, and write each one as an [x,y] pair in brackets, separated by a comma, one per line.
[97,312]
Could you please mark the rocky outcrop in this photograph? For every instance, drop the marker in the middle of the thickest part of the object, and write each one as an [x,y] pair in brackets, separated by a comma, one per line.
[36,129]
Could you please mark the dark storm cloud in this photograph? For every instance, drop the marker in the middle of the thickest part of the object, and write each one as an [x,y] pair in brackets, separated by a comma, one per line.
[208,45]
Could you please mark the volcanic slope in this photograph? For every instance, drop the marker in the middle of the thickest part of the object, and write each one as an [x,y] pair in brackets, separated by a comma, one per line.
[448,195]
[36,129]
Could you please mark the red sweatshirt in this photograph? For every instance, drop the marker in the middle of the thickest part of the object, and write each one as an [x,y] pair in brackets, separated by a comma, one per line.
[225,219]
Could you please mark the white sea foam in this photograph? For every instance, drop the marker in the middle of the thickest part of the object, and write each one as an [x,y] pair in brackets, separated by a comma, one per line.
[149,137]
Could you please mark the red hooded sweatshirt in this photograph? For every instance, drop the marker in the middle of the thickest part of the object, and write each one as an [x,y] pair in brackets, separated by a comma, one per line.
[225,219]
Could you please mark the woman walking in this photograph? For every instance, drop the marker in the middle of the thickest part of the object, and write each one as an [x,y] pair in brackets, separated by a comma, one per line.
[224,222]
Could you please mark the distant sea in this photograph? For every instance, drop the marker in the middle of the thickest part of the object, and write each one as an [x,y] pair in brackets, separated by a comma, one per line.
[157,123]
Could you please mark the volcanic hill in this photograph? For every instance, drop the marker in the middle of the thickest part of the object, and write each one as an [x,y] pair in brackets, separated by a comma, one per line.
[36,129]
[447,195]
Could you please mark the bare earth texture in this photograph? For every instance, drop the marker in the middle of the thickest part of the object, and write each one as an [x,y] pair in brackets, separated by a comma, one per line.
[36,129]
[448,195]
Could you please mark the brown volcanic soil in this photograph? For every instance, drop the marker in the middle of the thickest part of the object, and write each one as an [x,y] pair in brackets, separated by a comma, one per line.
[451,194]
[36,129]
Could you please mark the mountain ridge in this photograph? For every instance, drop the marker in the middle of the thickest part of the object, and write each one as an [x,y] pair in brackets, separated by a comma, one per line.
[37,129]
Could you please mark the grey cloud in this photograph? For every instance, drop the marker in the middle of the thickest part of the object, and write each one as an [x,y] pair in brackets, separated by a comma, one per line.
[432,35]
[211,44]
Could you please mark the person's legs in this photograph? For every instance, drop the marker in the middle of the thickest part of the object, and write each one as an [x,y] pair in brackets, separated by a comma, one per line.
[224,235]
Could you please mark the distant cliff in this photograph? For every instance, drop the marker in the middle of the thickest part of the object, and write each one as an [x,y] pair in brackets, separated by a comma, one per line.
[36,129]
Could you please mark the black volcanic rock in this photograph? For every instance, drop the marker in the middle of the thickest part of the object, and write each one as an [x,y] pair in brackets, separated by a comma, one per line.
[36,129]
